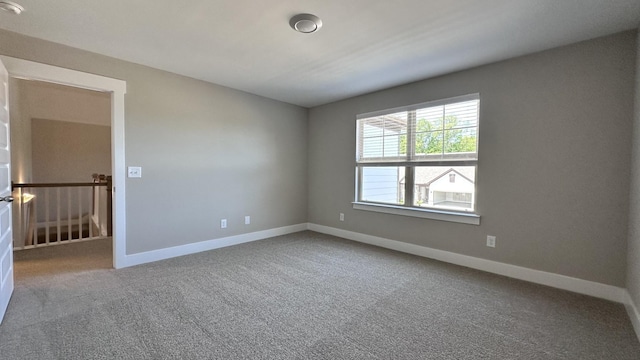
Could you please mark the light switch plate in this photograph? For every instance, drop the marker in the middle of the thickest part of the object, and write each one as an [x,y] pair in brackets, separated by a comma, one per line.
[491,241]
[134,172]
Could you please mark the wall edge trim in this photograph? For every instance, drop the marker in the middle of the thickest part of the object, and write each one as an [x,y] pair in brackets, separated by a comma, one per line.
[193,248]
[632,311]
[585,287]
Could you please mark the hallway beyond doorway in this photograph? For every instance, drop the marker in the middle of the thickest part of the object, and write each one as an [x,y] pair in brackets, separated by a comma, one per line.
[61,259]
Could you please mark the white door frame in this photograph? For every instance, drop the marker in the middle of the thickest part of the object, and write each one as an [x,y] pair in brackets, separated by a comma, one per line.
[19,68]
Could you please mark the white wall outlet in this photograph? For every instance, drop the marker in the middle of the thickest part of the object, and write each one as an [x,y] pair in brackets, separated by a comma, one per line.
[134,171]
[247,220]
[491,241]
[223,223]
[341,217]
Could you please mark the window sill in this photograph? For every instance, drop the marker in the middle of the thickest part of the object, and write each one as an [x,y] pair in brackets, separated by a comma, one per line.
[463,218]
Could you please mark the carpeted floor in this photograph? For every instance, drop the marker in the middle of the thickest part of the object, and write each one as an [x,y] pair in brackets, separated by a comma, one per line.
[305,296]
[65,258]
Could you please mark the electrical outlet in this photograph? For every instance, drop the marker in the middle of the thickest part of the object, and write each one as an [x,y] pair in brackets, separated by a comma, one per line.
[134,172]
[341,217]
[491,241]
[223,223]
[247,220]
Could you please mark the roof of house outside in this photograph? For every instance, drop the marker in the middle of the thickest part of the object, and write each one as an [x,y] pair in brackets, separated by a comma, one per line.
[429,174]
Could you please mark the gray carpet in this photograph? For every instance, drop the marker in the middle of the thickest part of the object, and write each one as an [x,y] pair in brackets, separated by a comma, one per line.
[66,258]
[306,296]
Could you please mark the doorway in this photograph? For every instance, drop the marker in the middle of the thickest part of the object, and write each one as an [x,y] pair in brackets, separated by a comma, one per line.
[61,178]
[23,69]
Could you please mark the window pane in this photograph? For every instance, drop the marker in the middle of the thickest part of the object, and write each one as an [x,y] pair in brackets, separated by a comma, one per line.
[462,114]
[383,184]
[392,145]
[447,188]
[429,143]
[382,137]
[372,129]
[461,141]
[447,132]
[429,119]
[372,147]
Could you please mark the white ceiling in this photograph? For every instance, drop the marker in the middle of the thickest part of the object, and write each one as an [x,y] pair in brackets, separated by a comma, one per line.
[363,46]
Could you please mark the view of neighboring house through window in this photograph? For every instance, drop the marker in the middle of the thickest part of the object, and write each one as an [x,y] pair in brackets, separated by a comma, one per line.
[421,156]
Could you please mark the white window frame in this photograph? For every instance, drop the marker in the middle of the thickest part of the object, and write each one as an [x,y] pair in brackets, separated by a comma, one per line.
[409,163]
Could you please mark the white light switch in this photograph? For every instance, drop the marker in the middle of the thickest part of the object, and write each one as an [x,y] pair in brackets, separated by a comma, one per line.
[134,172]
[491,241]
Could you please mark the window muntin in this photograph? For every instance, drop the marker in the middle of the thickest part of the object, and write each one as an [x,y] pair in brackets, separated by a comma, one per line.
[383,138]
[422,156]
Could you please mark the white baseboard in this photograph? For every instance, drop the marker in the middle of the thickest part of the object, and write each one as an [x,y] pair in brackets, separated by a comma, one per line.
[167,253]
[632,311]
[580,286]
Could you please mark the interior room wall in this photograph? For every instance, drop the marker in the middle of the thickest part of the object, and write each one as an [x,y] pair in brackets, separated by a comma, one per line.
[20,137]
[207,152]
[633,254]
[51,101]
[64,151]
[553,168]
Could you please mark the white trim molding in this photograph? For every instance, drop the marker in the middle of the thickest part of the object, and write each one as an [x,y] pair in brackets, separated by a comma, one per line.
[167,253]
[603,291]
[632,311]
[24,69]
[451,216]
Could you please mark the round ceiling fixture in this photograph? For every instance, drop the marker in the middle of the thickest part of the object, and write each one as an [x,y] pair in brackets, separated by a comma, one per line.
[11,7]
[305,23]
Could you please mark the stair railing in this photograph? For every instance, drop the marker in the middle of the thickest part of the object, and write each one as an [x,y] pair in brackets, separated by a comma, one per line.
[56,213]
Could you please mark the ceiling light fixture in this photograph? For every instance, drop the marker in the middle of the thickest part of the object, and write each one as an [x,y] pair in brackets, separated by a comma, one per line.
[305,23]
[11,7]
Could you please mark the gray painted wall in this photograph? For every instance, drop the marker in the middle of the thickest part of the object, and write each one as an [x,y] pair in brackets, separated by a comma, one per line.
[554,157]
[633,254]
[20,122]
[65,103]
[39,100]
[207,152]
[64,151]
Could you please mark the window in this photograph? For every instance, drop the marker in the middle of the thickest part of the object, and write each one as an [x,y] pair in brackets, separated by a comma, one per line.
[421,157]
